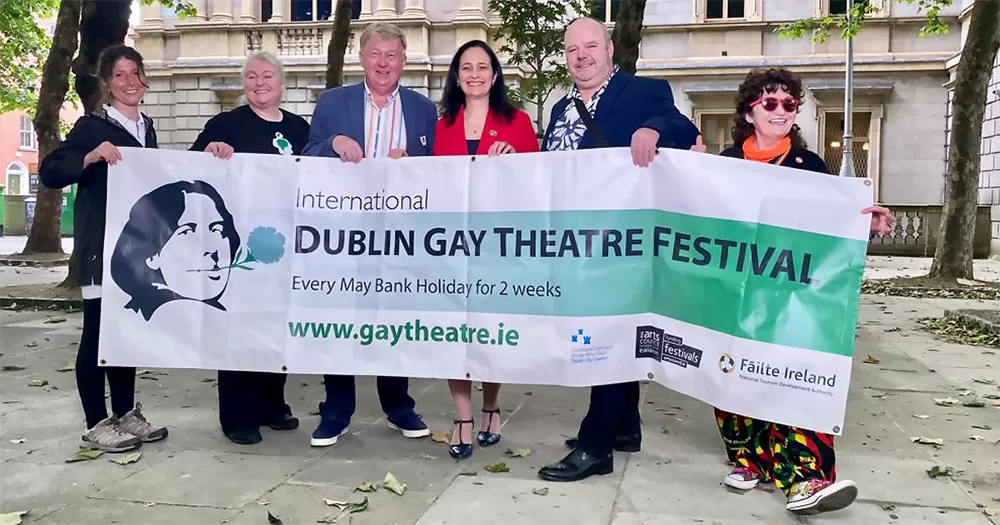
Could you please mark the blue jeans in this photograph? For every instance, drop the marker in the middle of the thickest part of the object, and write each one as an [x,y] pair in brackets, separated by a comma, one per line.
[341,400]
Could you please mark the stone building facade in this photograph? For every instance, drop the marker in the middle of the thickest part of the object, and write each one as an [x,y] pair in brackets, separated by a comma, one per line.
[703,47]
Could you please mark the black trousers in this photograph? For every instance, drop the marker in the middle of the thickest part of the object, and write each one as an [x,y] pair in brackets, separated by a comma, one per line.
[614,411]
[248,400]
[90,375]
[341,399]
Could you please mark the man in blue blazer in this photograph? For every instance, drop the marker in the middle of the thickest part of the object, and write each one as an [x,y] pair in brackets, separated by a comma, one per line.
[374,118]
[608,108]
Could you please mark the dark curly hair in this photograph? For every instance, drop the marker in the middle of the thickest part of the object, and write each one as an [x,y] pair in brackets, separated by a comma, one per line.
[757,83]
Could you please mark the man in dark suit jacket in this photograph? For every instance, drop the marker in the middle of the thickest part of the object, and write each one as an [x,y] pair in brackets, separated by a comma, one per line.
[626,111]
[374,118]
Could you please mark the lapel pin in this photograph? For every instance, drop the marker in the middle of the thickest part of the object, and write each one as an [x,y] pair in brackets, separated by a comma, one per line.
[423,140]
[798,159]
[493,132]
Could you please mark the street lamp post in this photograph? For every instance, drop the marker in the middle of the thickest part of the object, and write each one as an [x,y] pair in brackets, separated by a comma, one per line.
[847,162]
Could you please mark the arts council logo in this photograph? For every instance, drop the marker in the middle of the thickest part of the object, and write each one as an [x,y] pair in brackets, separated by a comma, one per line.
[152,260]
[653,343]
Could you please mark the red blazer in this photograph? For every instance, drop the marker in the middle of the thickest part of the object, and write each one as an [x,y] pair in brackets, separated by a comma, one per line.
[519,133]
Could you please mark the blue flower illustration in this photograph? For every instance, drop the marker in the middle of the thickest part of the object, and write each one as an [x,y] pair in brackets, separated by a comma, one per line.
[264,245]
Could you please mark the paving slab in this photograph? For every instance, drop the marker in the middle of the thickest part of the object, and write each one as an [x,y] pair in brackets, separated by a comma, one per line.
[124,512]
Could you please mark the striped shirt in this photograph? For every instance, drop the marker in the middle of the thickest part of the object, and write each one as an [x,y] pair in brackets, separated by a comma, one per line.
[384,127]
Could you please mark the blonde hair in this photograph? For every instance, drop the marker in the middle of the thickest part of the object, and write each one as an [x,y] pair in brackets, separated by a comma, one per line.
[267,58]
[385,31]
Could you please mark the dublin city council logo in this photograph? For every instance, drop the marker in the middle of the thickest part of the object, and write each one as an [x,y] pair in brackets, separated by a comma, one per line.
[181,243]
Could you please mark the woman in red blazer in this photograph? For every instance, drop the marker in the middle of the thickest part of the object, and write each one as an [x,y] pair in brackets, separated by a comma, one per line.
[478,119]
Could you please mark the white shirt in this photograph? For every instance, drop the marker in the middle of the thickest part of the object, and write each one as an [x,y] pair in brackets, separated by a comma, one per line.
[384,127]
[138,130]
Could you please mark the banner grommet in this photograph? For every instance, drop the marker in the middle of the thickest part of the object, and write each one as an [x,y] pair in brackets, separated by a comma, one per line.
[284,368]
[103,362]
[836,429]
[868,182]
[649,375]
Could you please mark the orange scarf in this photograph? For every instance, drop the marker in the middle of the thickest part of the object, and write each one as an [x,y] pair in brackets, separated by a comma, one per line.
[779,151]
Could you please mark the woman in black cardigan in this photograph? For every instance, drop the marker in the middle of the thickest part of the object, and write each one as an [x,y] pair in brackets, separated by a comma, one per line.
[83,159]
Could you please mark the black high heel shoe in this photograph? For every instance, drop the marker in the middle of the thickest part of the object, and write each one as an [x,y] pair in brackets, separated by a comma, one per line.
[485,437]
[461,450]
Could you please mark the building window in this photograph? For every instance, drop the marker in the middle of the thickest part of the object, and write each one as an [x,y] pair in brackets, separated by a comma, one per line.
[725,9]
[834,139]
[607,10]
[27,133]
[14,174]
[839,7]
[310,10]
[716,131]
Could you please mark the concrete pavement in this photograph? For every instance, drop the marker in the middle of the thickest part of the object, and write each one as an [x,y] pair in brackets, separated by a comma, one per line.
[197,477]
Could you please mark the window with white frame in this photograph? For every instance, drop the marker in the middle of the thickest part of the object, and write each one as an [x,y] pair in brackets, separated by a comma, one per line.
[607,10]
[725,9]
[27,133]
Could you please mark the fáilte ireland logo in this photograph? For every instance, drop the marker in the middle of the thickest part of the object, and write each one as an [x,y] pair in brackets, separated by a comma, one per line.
[181,243]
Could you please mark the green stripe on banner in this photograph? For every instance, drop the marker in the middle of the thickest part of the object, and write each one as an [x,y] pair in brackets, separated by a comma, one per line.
[753,281]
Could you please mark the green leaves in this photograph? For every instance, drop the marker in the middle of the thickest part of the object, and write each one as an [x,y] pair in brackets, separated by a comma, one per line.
[820,28]
[84,455]
[23,48]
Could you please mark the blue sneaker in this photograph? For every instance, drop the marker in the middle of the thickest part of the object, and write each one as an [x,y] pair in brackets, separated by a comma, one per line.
[410,424]
[327,432]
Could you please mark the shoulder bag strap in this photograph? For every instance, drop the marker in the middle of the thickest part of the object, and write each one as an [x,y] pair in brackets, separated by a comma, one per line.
[588,120]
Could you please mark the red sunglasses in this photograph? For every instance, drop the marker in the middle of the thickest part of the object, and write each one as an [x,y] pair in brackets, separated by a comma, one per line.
[771,103]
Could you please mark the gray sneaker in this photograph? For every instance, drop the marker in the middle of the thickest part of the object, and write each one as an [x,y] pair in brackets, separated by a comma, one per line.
[135,423]
[109,437]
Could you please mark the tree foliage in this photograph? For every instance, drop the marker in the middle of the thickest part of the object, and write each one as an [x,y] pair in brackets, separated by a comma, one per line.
[820,29]
[23,48]
[532,34]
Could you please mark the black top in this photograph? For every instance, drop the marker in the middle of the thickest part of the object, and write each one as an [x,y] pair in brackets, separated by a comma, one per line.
[247,132]
[64,167]
[802,159]
[473,146]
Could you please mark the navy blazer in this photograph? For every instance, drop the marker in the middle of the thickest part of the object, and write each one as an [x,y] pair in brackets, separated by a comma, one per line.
[630,103]
[341,111]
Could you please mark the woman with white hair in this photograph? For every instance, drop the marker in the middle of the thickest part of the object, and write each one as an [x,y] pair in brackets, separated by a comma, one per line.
[249,400]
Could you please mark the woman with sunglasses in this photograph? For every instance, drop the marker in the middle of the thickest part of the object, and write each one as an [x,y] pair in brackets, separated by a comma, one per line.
[800,462]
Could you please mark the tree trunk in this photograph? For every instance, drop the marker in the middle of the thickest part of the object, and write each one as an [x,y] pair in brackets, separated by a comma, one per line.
[103,23]
[628,33]
[953,254]
[44,236]
[338,43]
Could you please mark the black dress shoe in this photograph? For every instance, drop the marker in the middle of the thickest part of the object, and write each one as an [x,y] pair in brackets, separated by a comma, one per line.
[632,443]
[285,422]
[578,465]
[250,436]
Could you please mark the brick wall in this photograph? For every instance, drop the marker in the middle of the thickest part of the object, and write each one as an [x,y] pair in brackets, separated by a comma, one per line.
[989,174]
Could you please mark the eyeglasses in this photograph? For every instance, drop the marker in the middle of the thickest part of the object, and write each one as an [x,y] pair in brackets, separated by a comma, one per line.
[790,105]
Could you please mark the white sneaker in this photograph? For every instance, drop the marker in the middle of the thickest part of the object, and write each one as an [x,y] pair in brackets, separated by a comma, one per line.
[741,478]
[816,495]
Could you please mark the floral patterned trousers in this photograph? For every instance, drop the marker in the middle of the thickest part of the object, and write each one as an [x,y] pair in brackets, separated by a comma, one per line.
[780,453]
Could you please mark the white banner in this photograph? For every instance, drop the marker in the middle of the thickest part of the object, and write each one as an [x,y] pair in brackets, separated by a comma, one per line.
[727,280]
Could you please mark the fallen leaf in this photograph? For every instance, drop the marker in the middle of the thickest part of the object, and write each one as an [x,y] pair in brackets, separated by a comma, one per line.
[982,427]
[441,437]
[349,506]
[39,382]
[936,471]
[991,396]
[358,507]
[67,368]
[468,473]
[365,486]
[32,344]
[497,468]
[983,381]
[273,520]
[84,455]
[990,512]
[127,458]
[921,416]
[871,360]
[927,441]
[263,503]
[12,368]
[391,483]
[888,508]
[977,438]
[974,403]
[424,455]
[519,453]
[18,441]
[54,320]
[544,491]
[964,393]
[12,518]
[945,401]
